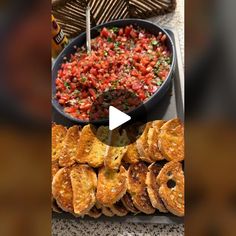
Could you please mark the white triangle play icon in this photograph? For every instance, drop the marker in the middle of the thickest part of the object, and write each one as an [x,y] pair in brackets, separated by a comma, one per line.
[116,118]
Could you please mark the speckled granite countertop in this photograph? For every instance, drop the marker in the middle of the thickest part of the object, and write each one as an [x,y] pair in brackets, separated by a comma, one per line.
[71,227]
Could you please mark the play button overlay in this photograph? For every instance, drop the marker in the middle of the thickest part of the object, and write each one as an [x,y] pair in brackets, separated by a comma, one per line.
[122,112]
[117,118]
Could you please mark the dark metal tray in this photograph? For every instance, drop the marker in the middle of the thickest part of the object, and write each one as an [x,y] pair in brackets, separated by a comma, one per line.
[171,106]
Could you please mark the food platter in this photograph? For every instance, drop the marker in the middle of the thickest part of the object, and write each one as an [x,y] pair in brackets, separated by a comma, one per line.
[170,106]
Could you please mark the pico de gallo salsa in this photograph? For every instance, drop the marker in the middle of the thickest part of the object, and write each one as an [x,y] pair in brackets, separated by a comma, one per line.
[121,58]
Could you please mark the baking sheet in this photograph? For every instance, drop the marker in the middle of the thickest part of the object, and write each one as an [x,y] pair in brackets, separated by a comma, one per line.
[171,106]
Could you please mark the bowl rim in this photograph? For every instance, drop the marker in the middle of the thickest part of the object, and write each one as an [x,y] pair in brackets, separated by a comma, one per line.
[55,103]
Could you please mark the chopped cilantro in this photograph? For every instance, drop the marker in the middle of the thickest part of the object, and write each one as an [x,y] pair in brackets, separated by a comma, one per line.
[109,39]
[115,29]
[83,79]
[117,44]
[168,60]
[159,82]
[158,64]
[154,42]
[76,91]
[66,85]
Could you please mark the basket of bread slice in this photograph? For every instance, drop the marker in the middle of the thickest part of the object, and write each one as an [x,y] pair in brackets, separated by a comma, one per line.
[92,178]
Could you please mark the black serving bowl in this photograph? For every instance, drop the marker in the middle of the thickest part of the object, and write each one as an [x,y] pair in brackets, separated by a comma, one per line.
[81,40]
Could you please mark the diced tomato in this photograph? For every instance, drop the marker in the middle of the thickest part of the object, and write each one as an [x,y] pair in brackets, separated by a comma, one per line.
[73,86]
[84,94]
[134,73]
[70,109]
[85,106]
[61,101]
[127,30]
[121,31]
[86,68]
[163,38]
[144,61]
[141,95]
[93,71]
[92,92]
[142,69]
[136,57]
[136,86]
[133,34]
[104,32]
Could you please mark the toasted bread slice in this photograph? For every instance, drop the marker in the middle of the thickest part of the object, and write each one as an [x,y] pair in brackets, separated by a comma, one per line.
[128,203]
[84,182]
[95,212]
[107,211]
[171,191]
[153,187]
[137,187]
[142,144]
[132,155]
[147,143]
[55,207]
[171,140]
[111,186]
[119,209]
[69,146]
[86,141]
[62,189]
[117,150]
[153,151]
[58,135]
[54,167]
[98,149]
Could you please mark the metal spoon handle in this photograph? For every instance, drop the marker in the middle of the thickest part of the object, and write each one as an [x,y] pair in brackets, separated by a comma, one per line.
[88,36]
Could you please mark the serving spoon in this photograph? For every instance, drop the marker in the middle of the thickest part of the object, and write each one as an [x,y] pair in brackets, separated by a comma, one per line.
[88,26]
